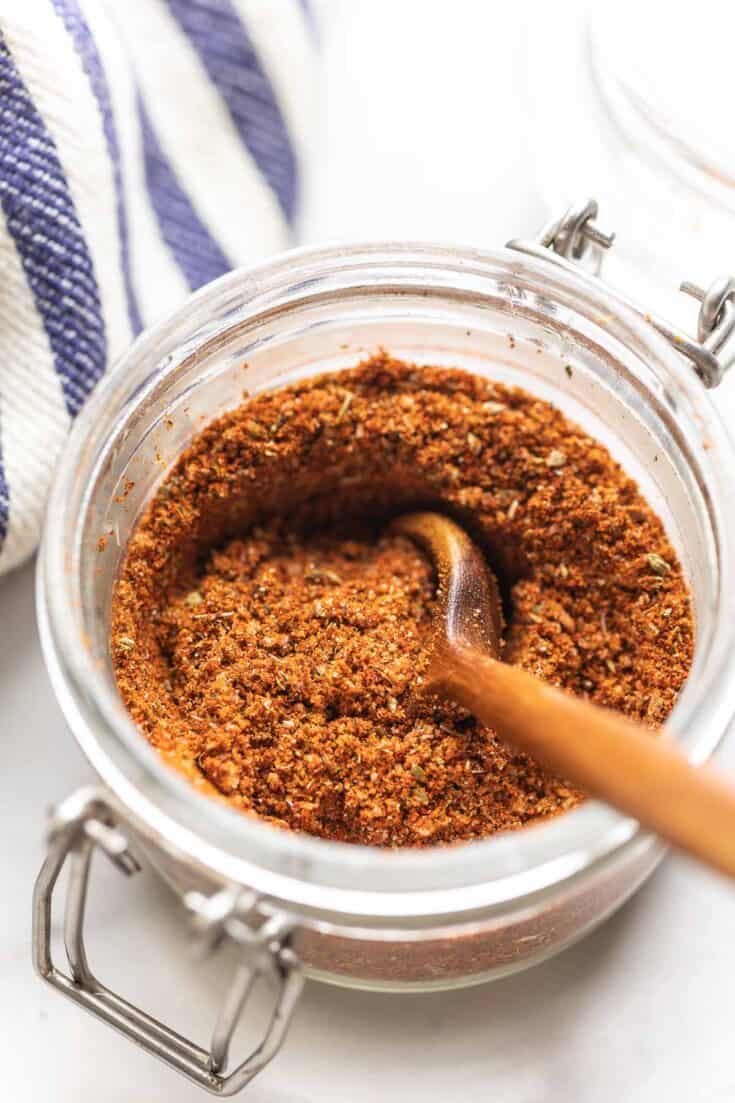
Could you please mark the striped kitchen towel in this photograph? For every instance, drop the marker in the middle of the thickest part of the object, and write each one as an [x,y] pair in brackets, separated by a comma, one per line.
[146,147]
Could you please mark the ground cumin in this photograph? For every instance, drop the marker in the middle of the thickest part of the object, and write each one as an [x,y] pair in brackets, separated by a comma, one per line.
[267,634]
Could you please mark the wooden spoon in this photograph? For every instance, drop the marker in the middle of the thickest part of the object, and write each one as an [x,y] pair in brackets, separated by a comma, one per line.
[609,756]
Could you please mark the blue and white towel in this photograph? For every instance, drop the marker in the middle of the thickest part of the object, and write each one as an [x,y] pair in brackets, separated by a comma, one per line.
[146,147]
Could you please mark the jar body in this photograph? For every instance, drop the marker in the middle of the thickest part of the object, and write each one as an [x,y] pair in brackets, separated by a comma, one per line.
[448,955]
[364,917]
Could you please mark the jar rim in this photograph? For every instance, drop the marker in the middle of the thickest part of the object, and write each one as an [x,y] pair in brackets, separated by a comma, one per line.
[322,876]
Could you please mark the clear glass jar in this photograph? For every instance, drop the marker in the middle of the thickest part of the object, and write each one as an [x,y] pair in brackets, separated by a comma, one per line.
[362,916]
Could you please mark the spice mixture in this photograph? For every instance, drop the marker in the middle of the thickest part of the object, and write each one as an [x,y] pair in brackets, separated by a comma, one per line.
[268,633]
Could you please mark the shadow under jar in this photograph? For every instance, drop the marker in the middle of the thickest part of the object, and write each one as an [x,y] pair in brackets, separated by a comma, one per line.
[359,916]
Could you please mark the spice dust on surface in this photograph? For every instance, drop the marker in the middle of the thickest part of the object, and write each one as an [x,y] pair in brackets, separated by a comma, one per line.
[269,634]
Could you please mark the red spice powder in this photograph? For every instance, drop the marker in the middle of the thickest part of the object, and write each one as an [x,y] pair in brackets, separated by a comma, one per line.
[267,634]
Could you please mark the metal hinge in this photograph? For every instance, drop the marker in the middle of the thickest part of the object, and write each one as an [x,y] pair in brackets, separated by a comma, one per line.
[576,239]
[85,822]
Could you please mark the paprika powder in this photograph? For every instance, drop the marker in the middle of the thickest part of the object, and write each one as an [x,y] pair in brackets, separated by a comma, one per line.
[268,634]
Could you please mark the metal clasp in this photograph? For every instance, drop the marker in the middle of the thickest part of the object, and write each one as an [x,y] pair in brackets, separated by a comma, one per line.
[716,323]
[85,822]
[575,238]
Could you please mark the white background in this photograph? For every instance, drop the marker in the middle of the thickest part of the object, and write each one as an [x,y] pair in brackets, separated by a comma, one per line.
[423,138]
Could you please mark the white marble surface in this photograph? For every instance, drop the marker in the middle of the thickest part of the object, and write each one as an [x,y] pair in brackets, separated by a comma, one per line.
[642,1010]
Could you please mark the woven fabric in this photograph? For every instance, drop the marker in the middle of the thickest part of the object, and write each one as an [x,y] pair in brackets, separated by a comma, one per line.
[146,147]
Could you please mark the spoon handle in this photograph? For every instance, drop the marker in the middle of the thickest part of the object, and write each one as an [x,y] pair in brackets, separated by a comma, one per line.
[612,758]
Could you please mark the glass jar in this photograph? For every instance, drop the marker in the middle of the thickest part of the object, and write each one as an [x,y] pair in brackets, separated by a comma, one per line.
[351,915]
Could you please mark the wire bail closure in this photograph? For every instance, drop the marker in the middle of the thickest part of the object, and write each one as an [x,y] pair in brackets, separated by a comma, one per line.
[85,822]
[575,235]
[575,240]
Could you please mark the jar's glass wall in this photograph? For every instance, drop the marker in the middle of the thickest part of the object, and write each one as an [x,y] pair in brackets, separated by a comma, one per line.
[498,315]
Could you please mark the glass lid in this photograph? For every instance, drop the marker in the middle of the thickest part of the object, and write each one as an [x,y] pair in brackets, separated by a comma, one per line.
[679,106]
